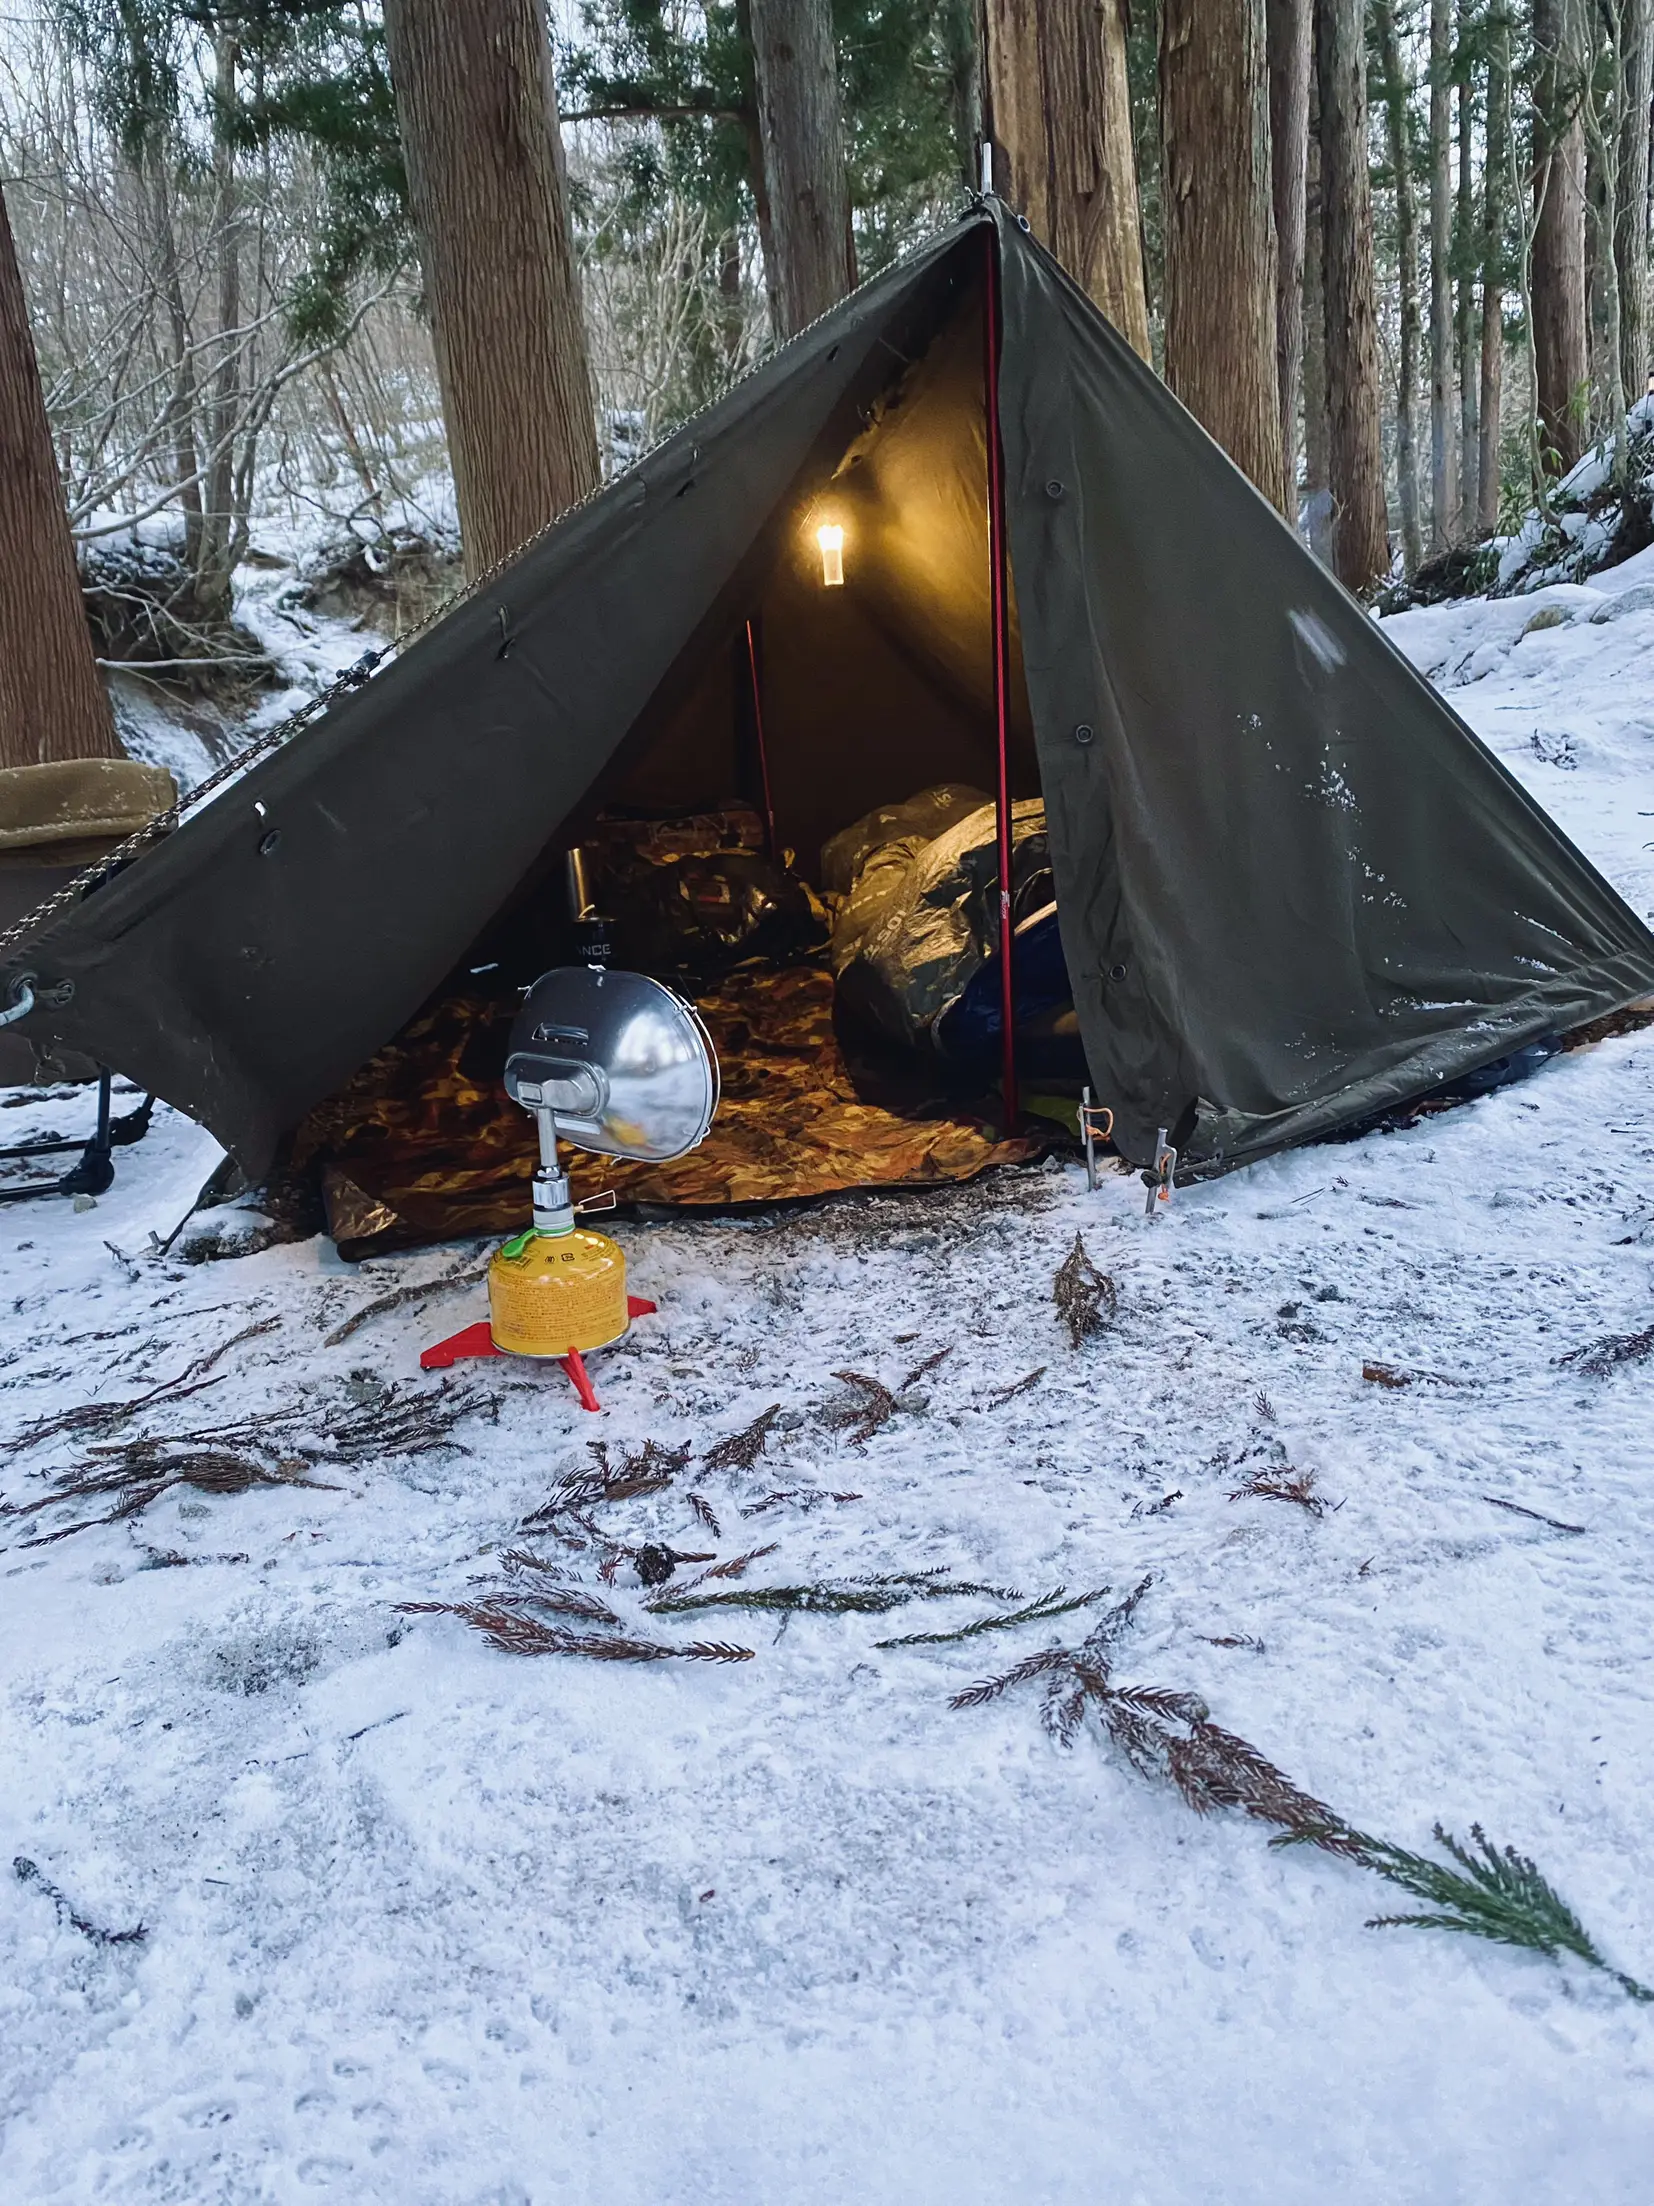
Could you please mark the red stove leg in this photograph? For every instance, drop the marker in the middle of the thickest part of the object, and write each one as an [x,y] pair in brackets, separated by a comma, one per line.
[476,1340]
[580,1380]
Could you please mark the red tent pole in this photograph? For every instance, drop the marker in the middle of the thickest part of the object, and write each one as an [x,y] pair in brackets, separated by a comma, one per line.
[999,604]
[763,753]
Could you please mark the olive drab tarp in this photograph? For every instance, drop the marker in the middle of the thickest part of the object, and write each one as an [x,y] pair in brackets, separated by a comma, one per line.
[1293,888]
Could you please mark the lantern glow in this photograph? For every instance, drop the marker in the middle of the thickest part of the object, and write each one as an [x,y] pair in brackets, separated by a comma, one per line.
[831,540]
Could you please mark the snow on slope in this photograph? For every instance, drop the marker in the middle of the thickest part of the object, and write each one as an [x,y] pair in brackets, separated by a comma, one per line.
[431,1924]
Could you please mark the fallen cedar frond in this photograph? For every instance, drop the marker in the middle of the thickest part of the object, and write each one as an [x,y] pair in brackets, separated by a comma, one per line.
[1398,1375]
[646,1470]
[863,1597]
[703,1509]
[26,1872]
[792,1600]
[1110,1629]
[169,1558]
[105,1416]
[736,1567]
[1614,1349]
[1557,1524]
[1095,1650]
[801,1497]
[1009,1393]
[1031,1666]
[1263,1409]
[248,1432]
[1161,1732]
[860,1420]
[522,1558]
[1495,1893]
[460,1276]
[1498,1895]
[1285,1485]
[741,1450]
[936,1585]
[923,1370]
[1044,1610]
[562,1600]
[407,1424]
[1086,1298]
[151,1474]
[512,1632]
[415,1424]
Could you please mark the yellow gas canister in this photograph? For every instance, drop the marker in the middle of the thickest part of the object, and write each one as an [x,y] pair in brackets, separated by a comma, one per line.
[550,1292]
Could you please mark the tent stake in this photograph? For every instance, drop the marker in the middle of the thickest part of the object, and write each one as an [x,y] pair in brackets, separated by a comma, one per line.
[998,595]
[763,752]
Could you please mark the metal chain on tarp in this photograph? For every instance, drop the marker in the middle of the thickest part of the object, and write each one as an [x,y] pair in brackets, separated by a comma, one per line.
[354,676]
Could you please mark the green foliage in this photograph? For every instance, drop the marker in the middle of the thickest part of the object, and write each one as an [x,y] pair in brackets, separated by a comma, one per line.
[1042,1610]
[310,73]
[865,1597]
[694,84]
[904,80]
[322,81]
[1493,1892]
[134,51]
[905,75]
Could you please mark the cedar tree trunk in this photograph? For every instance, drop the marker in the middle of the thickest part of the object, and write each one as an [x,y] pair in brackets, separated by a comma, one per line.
[217,518]
[1464,312]
[478,117]
[1407,254]
[1559,323]
[1317,431]
[1361,545]
[805,179]
[1290,29]
[1057,105]
[1443,491]
[1220,237]
[1493,276]
[1631,213]
[52,704]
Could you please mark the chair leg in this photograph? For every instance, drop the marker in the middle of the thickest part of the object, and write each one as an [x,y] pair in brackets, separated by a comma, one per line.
[95,1172]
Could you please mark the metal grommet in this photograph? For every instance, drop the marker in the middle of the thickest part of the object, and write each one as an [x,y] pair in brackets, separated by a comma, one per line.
[1053,488]
[1116,972]
[1084,732]
[1025,226]
[269,844]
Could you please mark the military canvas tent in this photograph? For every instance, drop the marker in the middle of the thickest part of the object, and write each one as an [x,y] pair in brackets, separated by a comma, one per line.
[1293,887]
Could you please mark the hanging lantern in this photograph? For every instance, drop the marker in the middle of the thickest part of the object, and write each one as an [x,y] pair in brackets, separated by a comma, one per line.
[830,537]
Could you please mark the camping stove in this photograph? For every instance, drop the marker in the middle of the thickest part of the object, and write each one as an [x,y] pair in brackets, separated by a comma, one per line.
[616,1064]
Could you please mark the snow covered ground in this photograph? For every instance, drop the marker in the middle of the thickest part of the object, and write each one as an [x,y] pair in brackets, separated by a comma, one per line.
[434,1924]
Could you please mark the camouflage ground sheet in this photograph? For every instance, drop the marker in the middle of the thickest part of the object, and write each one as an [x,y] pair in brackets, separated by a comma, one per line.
[424,1145]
